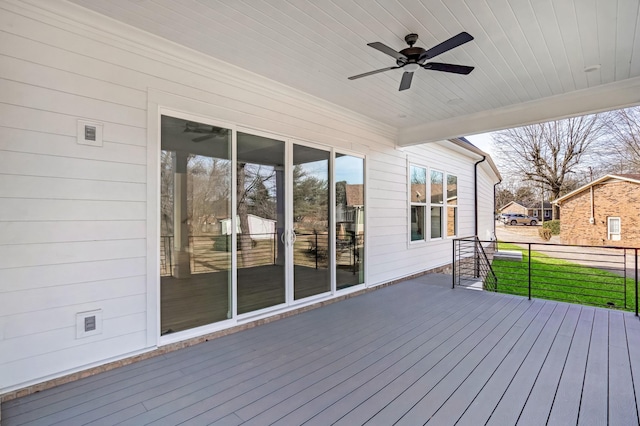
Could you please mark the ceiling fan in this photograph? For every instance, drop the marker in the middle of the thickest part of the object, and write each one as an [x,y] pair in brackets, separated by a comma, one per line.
[410,59]
[209,132]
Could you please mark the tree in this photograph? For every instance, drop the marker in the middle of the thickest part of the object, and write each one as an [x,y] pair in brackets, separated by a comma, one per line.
[547,154]
[624,128]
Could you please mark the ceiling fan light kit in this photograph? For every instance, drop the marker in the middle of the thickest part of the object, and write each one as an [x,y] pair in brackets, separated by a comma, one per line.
[412,58]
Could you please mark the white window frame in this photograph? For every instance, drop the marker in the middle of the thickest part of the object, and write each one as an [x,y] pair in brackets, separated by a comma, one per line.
[610,233]
[442,206]
[448,206]
[423,204]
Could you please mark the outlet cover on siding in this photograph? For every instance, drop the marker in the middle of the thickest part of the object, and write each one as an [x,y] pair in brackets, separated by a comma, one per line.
[88,323]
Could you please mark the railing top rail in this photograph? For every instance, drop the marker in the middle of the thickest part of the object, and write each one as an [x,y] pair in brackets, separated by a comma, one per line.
[546,244]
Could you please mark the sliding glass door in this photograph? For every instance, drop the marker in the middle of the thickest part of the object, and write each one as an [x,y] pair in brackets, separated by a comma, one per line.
[261,227]
[284,240]
[195,202]
[311,249]
[350,228]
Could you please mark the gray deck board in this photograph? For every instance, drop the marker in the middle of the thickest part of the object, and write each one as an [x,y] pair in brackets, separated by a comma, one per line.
[622,402]
[515,396]
[566,404]
[593,406]
[411,353]
[467,392]
[546,384]
[480,411]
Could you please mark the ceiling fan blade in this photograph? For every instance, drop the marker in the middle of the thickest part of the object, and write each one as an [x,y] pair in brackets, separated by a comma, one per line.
[454,41]
[457,69]
[372,72]
[386,49]
[406,81]
[203,138]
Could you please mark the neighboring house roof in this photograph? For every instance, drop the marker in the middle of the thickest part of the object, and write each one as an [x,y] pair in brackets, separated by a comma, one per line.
[523,204]
[355,194]
[511,203]
[629,177]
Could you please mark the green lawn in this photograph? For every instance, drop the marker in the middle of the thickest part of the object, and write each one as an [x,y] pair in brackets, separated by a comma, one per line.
[562,280]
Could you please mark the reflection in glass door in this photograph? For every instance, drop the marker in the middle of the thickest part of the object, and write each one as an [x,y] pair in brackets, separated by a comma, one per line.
[311,254]
[261,236]
[195,202]
[349,221]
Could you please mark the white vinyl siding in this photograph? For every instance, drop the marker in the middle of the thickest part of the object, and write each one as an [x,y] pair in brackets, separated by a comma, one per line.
[78,221]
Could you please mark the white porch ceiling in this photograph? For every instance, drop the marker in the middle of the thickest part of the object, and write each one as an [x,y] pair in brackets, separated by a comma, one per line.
[530,55]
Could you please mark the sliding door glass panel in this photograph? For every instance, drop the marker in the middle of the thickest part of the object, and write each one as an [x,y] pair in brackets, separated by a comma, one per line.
[349,220]
[195,201]
[260,222]
[310,222]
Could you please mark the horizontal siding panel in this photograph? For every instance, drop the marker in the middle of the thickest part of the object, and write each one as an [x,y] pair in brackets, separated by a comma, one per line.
[71,82]
[65,338]
[17,256]
[379,241]
[57,232]
[382,175]
[17,117]
[60,275]
[24,95]
[203,84]
[17,163]
[390,196]
[75,358]
[16,209]
[19,302]
[383,230]
[13,186]
[382,184]
[27,141]
[51,319]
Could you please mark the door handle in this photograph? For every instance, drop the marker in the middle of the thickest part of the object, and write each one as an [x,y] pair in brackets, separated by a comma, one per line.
[294,237]
[282,237]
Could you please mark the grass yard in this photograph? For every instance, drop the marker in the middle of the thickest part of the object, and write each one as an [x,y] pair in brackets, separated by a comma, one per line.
[561,280]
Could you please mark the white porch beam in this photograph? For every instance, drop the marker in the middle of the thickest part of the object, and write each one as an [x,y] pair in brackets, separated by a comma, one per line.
[601,98]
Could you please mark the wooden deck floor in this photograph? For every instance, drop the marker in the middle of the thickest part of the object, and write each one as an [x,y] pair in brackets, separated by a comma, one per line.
[412,353]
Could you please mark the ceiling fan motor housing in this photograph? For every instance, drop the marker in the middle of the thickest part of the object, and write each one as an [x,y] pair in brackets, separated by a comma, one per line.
[413,54]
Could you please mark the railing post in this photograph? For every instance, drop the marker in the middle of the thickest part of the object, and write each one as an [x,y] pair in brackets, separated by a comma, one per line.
[317,250]
[453,266]
[529,270]
[636,267]
[624,268]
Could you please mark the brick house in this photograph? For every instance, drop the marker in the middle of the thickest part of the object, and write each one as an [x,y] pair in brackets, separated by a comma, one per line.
[603,212]
[531,209]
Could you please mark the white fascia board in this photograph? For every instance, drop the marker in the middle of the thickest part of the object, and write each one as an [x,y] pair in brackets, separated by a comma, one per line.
[606,97]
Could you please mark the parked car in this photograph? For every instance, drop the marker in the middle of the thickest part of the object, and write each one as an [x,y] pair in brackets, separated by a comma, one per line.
[519,218]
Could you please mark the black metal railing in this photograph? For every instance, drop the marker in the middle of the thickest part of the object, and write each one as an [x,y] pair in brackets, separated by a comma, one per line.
[211,253]
[604,276]
[472,260]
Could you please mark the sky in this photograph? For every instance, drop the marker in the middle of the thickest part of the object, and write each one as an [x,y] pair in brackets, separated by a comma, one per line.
[482,141]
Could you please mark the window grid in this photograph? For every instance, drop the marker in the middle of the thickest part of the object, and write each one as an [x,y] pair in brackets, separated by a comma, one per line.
[442,221]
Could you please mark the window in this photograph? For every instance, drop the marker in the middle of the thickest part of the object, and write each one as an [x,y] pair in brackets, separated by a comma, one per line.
[613,228]
[418,188]
[437,203]
[442,220]
[452,206]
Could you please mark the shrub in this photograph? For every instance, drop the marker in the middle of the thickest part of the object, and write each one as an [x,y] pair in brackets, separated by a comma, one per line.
[545,233]
[553,226]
